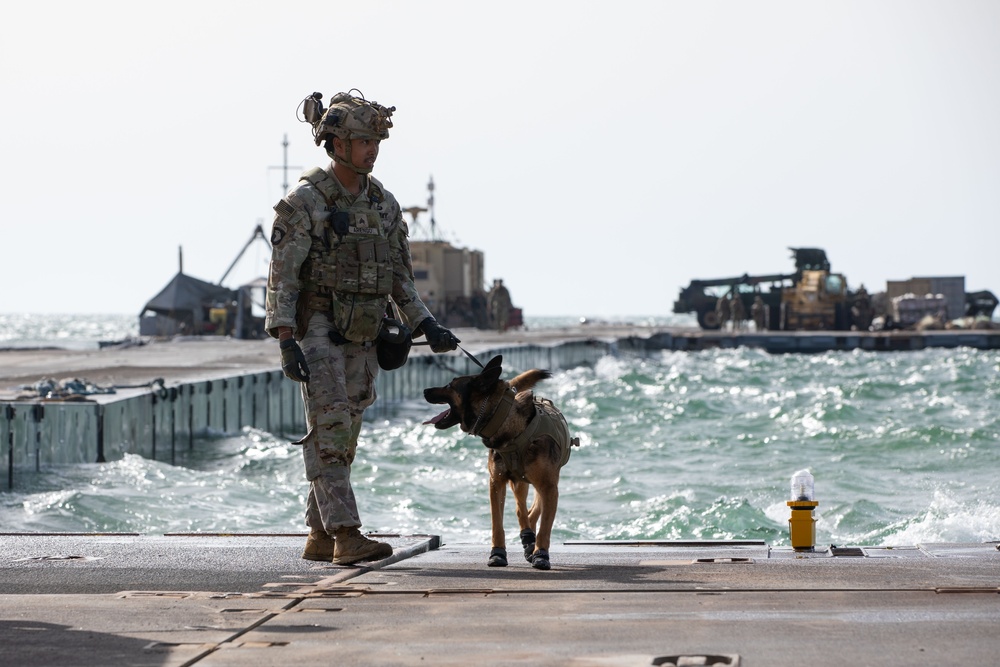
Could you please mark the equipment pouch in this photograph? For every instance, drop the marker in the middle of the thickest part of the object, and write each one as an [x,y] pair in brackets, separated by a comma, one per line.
[358,318]
[394,342]
[363,268]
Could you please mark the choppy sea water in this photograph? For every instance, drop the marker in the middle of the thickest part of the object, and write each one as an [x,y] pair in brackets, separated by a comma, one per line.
[904,447]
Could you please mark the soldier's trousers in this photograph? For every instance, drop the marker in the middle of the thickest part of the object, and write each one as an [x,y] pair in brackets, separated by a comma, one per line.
[341,386]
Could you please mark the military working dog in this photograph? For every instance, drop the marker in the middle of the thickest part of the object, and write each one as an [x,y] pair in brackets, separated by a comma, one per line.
[528,442]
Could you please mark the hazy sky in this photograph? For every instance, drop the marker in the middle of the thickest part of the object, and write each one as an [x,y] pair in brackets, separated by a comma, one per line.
[601,154]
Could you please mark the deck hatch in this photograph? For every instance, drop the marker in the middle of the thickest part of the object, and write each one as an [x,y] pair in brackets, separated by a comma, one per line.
[707,660]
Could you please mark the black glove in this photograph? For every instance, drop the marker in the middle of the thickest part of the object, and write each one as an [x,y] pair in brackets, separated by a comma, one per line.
[441,339]
[293,362]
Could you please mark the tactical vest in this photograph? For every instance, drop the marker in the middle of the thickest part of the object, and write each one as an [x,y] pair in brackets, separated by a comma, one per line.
[348,273]
[548,421]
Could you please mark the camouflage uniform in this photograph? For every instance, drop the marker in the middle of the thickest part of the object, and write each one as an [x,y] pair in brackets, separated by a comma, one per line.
[758,311]
[500,305]
[342,375]
[737,312]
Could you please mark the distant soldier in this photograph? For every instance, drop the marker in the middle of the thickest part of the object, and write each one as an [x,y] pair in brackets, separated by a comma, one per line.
[758,312]
[862,312]
[737,311]
[722,310]
[480,310]
[500,305]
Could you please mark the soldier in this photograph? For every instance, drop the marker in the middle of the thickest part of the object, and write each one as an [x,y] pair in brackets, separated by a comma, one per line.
[500,305]
[722,310]
[758,312]
[861,311]
[737,310]
[340,253]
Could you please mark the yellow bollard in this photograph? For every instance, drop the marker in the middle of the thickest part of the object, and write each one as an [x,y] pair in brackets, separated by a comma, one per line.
[802,524]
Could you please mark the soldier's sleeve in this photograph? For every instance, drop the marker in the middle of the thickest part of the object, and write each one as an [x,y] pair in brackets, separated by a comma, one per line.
[404,291]
[290,243]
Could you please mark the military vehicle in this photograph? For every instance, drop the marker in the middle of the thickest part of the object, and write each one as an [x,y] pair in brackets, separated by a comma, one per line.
[815,298]
[817,301]
[807,304]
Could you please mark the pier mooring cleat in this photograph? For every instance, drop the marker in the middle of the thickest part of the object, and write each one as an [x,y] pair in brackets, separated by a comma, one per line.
[319,546]
[498,557]
[540,560]
[351,547]
[528,542]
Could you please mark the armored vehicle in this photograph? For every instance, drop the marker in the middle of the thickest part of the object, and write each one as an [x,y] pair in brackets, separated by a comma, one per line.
[702,296]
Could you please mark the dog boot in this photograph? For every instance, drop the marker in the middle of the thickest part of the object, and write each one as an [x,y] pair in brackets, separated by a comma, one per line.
[528,542]
[351,547]
[540,560]
[498,557]
[319,546]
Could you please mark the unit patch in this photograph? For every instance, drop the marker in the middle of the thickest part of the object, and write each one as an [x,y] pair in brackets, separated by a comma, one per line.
[278,232]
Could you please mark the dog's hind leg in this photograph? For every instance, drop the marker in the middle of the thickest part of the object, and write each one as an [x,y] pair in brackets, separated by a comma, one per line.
[547,491]
[535,511]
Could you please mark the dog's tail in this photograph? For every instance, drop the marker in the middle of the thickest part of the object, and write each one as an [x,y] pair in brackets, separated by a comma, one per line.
[529,379]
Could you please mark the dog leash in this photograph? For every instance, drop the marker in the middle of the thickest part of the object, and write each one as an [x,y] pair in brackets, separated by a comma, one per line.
[467,353]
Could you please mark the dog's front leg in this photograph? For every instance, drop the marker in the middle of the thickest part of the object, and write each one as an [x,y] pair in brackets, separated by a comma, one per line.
[525,518]
[498,494]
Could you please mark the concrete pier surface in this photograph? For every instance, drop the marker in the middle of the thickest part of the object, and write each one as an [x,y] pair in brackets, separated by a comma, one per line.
[250,600]
[188,359]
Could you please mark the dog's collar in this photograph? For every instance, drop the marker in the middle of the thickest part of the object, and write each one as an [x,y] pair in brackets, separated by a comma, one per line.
[499,416]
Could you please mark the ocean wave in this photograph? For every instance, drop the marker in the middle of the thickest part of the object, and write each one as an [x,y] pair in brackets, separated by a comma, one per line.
[692,445]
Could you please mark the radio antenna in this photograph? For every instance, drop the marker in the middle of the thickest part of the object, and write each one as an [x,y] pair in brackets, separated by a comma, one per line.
[284,167]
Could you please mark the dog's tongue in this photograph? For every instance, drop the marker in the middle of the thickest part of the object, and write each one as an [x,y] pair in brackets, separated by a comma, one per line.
[435,420]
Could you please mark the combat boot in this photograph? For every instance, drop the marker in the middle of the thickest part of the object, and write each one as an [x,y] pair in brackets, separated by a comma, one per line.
[352,547]
[319,546]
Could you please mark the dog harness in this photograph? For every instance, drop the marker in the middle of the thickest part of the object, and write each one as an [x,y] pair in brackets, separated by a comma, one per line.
[547,421]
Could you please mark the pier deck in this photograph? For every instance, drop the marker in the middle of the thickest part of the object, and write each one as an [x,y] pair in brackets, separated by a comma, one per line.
[251,600]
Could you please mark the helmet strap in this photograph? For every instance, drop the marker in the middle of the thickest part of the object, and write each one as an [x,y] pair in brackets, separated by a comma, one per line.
[346,160]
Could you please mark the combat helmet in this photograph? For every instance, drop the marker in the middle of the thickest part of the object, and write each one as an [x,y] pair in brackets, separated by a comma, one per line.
[348,117]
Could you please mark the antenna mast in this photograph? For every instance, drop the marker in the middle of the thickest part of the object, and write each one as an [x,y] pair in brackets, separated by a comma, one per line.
[430,206]
[284,167]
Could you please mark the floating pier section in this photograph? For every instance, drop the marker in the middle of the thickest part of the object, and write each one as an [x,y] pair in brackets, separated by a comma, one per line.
[164,418]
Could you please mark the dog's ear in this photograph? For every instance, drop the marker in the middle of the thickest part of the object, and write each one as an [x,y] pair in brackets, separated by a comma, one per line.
[490,374]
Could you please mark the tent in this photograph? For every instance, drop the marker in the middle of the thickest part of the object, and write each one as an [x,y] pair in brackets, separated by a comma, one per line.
[183,307]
